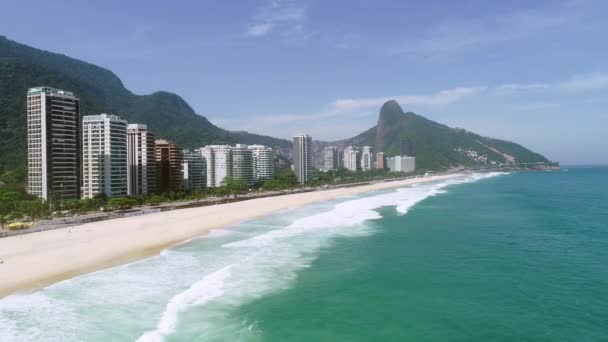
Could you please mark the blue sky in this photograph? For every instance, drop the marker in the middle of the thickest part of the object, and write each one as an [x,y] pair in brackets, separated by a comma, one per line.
[535,72]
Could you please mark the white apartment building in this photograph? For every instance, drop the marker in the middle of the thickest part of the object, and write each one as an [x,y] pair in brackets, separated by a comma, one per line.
[402,164]
[352,158]
[330,158]
[264,163]
[302,157]
[219,163]
[141,160]
[367,158]
[53,143]
[104,155]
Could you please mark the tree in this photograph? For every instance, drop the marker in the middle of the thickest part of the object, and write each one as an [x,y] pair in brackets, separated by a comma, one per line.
[234,185]
[3,220]
[122,202]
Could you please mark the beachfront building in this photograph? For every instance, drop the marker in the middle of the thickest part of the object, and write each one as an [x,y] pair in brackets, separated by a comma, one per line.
[141,160]
[367,158]
[302,157]
[53,143]
[104,156]
[242,164]
[402,164]
[169,160]
[381,161]
[264,163]
[330,158]
[352,158]
[194,171]
[219,163]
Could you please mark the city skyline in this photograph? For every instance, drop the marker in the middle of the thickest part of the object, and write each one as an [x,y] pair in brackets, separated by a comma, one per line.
[438,73]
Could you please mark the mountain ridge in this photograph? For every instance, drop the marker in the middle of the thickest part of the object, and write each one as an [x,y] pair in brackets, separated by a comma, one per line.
[436,146]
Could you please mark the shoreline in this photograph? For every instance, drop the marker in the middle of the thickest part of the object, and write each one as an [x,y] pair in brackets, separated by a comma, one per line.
[33,261]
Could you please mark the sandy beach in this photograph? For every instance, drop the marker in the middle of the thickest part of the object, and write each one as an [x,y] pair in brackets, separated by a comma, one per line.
[36,260]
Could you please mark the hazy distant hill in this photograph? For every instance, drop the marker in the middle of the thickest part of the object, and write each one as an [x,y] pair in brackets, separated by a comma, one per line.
[22,67]
[435,146]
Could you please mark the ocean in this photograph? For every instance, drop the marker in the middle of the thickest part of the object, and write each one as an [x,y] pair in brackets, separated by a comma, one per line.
[517,256]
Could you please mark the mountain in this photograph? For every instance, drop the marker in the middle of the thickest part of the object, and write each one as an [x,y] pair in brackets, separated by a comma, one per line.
[436,146]
[100,90]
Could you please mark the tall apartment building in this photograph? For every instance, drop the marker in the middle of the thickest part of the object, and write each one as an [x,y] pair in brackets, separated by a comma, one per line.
[53,143]
[141,160]
[367,158]
[264,163]
[104,156]
[302,157]
[219,163]
[381,161]
[242,164]
[352,158]
[330,158]
[402,164]
[194,171]
[169,160]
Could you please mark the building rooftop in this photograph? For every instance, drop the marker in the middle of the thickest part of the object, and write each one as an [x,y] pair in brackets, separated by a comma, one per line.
[50,91]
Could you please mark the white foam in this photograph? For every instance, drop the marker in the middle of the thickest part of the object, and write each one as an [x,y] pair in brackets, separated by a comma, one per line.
[206,289]
[232,274]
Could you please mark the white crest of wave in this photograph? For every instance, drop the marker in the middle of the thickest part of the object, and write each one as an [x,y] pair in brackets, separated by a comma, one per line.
[206,289]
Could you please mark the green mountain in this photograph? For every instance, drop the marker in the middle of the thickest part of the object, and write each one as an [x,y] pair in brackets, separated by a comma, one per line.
[437,146]
[100,90]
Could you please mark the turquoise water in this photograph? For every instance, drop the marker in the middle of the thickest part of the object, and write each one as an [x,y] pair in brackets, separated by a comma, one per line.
[500,257]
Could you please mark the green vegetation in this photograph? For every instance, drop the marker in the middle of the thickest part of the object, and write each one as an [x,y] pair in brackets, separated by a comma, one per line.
[167,114]
[122,203]
[285,179]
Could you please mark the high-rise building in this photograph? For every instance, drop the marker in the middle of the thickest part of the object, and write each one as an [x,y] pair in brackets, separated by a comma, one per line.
[219,163]
[367,158]
[104,156]
[141,160]
[402,164]
[169,160]
[242,164]
[302,157]
[194,171]
[53,144]
[380,161]
[330,158]
[264,163]
[352,158]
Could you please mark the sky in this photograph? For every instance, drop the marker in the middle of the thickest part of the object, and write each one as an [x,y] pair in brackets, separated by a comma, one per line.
[534,72]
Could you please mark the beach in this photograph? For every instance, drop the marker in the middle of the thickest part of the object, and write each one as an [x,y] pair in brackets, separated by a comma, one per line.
[32,261]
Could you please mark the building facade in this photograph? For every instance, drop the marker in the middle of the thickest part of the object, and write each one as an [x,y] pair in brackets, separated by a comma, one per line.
[402,164]
[219,163]
[169,160]
[367,158]
[352,158]
[53,143]
[330,158]
[104,156]
[242,164]
[302,157]
[381,161]
[141,160]
[264,163]
[194,171]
